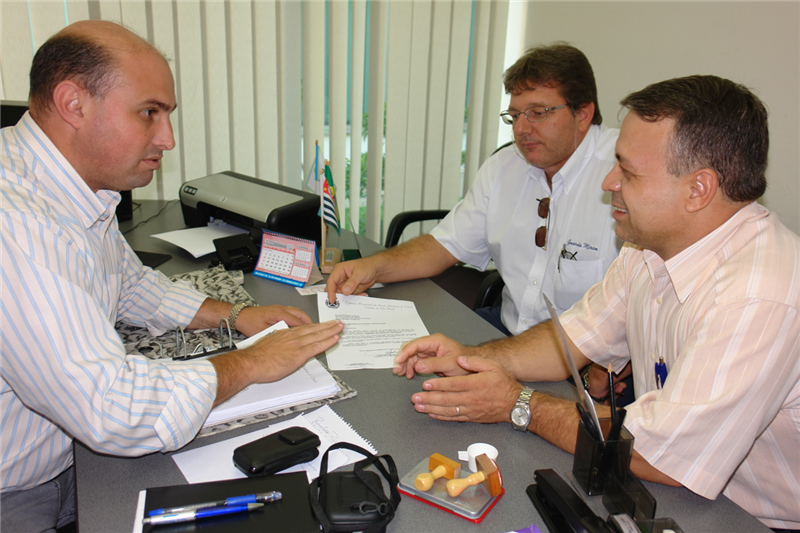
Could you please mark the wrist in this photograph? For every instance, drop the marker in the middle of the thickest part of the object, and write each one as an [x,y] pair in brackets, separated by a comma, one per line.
[585,377]
[234,313]
[521,413]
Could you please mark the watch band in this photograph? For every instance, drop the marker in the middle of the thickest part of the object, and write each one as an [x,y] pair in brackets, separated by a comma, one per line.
[585,378]
[235,310]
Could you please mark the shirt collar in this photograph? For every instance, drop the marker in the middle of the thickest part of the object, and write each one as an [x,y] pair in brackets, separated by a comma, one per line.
[57,174]
[688,268]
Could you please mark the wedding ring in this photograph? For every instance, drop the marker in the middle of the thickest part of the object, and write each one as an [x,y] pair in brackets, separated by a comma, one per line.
[458,410]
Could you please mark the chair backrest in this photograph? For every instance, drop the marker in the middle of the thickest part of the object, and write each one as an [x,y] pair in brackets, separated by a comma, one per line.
[401,220]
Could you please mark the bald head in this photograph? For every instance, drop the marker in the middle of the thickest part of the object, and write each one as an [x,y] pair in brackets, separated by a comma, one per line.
[86,52]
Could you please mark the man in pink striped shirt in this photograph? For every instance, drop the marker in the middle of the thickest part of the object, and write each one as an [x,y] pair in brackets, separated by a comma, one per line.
[709,284]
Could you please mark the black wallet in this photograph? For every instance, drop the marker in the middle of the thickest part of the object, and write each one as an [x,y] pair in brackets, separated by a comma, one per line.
[277,452]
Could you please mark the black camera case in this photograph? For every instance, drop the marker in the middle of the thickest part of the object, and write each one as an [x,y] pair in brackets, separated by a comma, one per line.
[355,501]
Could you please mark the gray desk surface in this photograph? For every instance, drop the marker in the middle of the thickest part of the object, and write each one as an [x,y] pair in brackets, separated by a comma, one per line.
[383,414]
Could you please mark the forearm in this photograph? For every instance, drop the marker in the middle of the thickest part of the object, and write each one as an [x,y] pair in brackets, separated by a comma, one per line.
[234,373]
[210,313]
[422,257]
[533,355]
[557,421]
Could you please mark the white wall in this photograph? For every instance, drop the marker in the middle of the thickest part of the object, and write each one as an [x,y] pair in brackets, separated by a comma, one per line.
[633,44]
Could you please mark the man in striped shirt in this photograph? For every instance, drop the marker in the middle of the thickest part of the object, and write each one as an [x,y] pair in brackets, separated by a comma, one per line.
[99,123]
[710,284]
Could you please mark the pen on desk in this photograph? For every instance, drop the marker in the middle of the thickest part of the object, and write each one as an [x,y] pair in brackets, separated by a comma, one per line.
[661,372]
[261,497]
[189,516]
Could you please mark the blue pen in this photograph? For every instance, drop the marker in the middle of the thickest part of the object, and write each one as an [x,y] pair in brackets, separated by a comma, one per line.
[189,516]
[661,372]
[261,497]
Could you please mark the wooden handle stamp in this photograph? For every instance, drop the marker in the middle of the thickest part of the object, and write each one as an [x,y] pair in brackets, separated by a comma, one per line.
[487,473]
[439,466]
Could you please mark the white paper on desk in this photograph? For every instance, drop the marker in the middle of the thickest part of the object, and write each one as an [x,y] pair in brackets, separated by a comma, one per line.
[199,241]
[374,329]
[215,461]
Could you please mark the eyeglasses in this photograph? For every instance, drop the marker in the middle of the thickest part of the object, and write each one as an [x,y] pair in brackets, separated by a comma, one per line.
[541,231]
[532,114]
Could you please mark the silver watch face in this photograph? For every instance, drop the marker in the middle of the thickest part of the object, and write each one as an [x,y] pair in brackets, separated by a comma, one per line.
[519,416]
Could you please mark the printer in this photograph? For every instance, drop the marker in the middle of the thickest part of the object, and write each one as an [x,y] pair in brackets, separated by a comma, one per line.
[251,204]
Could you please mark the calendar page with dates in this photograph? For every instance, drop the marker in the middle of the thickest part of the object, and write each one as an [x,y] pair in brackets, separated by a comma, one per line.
[285,258]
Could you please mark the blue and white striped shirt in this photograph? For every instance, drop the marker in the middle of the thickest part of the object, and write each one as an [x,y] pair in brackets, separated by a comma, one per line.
[67,276]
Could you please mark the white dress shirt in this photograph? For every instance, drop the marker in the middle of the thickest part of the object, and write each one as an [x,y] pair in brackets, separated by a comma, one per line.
[67,276]
[724,314]
[498,218]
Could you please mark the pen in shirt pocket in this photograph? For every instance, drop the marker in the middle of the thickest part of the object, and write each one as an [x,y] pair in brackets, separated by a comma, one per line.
[661,373]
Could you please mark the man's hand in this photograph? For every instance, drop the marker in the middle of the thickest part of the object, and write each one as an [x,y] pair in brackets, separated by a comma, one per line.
[252,320]
[413,357]
[598,382]
[351,277]
[272,358]
[487,394]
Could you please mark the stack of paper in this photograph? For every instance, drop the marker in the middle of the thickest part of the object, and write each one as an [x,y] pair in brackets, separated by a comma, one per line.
[311,382]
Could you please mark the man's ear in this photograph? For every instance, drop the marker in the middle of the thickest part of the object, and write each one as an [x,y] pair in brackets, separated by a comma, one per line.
[703,186]
[585,114]
[69,100]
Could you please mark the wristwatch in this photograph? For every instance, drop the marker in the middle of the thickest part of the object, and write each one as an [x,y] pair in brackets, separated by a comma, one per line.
[521,413]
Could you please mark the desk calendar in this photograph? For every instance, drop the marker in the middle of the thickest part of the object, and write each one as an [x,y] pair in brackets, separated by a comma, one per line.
[286,259]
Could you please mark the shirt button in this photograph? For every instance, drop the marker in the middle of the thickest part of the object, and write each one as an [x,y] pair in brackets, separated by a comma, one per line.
[653,356]
[659,300]
[534,282]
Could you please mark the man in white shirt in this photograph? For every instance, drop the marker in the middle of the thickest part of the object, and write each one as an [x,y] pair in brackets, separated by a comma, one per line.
[707,297]
[536,207]
[99,123]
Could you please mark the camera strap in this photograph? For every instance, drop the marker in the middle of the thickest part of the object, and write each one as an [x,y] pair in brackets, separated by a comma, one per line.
[387,506]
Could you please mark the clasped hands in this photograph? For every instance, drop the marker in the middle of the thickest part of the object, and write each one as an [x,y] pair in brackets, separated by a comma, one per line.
[470,387]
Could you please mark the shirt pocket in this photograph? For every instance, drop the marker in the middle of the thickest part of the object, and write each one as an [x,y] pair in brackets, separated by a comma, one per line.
[573,279]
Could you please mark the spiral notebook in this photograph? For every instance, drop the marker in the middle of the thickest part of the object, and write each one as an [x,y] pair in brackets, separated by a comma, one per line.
[214,462]
[286,259]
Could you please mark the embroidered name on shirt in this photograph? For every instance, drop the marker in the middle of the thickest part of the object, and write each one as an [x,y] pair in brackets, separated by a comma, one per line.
[584,245]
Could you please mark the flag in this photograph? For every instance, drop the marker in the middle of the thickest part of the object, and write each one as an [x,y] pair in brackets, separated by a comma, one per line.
[330,211]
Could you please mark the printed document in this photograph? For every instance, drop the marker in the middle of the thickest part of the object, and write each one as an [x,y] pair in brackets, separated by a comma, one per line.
[374,329]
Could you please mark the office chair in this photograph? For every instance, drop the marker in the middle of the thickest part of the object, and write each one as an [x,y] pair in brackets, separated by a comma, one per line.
[470,286]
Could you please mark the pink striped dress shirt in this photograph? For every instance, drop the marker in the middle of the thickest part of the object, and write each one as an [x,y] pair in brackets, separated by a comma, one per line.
[724,315]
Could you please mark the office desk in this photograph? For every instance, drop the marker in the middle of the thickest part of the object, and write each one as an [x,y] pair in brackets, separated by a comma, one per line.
[383,414]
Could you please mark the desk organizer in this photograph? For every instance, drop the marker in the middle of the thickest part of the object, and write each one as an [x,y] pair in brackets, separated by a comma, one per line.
[596,460]
[473,504]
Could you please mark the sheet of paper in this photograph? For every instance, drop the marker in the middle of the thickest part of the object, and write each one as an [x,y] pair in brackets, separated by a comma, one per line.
[215,461]
[374,329]
[199,241]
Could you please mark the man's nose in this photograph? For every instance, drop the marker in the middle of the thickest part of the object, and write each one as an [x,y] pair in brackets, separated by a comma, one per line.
[611,181]
[164,138]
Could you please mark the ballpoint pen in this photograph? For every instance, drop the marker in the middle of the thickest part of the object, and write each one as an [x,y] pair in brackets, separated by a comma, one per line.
[261,497]
[189,516]
[661,372]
